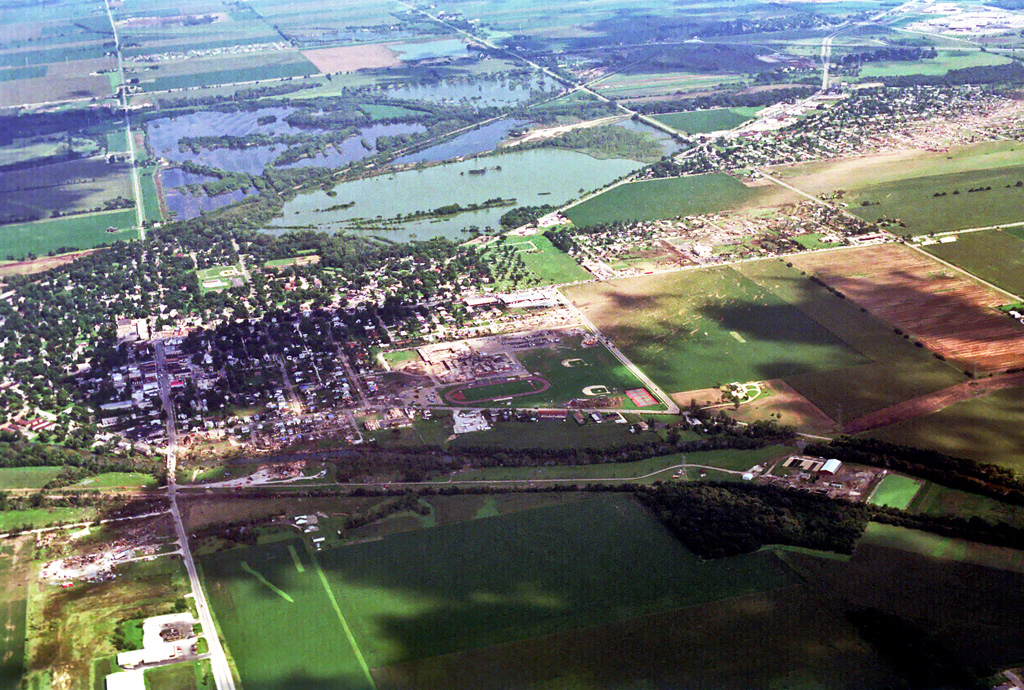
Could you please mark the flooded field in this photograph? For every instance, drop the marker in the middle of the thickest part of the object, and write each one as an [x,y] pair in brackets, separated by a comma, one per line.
[540,176]
[479,140]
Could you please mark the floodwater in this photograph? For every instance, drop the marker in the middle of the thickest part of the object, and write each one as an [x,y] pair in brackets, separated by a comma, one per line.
[185,205]
[476,141]
[534,177]
[667,143]
[478,92]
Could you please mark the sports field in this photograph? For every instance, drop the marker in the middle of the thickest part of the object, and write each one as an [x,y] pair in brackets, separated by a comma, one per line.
[77,232]
[895,491]
[992,255]
[668,198]
[220,277]
[462,394]
[702,328]
[420,594]
[701,121]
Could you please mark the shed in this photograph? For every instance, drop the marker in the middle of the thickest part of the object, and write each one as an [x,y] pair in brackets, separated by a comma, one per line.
[831,466]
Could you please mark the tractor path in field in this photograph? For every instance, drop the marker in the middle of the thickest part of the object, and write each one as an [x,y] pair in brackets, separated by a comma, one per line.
[933,402]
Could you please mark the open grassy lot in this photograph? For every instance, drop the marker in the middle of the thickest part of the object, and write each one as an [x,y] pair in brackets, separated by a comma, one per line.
[701,121]
[987,429]
[195,675]
[77,232]
[992,255]
[71,630]
[702,328]
[895,491]
[897,371]
[43,517]
[26,477]
[547,263]
[117,480]
[668,198]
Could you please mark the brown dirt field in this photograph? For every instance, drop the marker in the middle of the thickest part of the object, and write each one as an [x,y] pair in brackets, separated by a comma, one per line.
[795,410]
[24,268]
[44,89]
[933,402]
[352,58]
[951,314]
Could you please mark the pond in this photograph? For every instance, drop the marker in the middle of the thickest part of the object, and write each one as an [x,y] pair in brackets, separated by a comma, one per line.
[534,177]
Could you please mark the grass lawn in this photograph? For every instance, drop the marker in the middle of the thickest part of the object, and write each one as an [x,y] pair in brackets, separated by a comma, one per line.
[992,255]
[895,491]
[668,198]
[181,676]
[44,517]
[714,120]
[26,477]
[702,328]
[118,480]
[77,232]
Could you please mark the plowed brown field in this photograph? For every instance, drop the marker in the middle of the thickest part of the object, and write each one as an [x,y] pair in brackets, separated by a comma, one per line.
[945,309]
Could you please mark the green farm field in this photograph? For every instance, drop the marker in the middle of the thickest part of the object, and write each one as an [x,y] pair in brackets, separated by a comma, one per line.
[77,232]
[714,120]
[897,370]
[895,491]
[992,255]
[946,548]
[14,578]
[987,429]
[668,198]
[914,202]
[702,328]
[935,499]
[420,594]
[945,61]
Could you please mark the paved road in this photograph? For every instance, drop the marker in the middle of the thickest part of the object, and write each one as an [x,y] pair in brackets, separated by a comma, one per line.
[218,659]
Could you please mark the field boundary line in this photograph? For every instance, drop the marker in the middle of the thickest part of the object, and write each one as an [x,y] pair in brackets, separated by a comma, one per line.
[341,617]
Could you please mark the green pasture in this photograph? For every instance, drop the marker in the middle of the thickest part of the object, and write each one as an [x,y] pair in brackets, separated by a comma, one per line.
[895,491]
[944,548]
[26,477]
[13,583]
[897,369]
[912,201]
[992,255]
[77,232]
[666,198]
[702,328]
[935,499]
[702,121]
